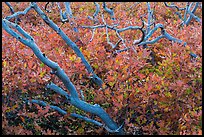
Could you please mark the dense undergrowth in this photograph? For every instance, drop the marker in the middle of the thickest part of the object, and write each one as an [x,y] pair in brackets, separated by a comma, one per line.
[164,97]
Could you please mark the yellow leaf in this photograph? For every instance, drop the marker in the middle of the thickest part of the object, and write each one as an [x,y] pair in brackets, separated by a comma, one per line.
[4,63]
[183,127]
[25,65]
[81,49]
[72,57]
[42,73]
[80,9]
[8,110]
[166,109]
[32,80]
[12,108]
[77,60]
[187,48]
[174,54]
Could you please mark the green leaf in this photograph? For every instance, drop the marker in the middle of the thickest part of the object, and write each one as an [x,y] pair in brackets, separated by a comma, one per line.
[111,83]
[188,91]
[136,90]
[168,94]
[95,66]
[42,65]
[138,120]
[80,130]
[125,95]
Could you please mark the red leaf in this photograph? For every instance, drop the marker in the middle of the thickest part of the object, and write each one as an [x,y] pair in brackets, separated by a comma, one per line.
[179,83]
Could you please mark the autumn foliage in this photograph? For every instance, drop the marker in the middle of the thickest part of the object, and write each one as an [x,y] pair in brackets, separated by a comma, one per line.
[164,97]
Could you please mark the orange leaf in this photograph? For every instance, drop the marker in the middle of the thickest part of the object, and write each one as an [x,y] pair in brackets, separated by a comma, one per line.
[110,78]
[154,96]
[30,64]
[23,119]
[141,76]
[200,132]
[120,97]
